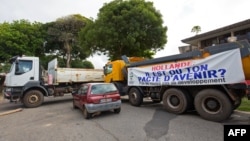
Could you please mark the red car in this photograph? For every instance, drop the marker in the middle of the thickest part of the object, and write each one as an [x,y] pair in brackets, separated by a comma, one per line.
[97,97]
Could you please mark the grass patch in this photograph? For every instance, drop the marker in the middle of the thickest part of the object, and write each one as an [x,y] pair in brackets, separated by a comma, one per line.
[245,105]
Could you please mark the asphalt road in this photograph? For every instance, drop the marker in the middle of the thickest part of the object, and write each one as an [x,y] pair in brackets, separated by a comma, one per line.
[56,120]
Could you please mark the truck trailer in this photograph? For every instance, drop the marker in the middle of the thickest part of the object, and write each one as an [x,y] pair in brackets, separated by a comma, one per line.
[211,81]
[29,83]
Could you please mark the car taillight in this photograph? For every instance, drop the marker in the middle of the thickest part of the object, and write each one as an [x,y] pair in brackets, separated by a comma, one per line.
[116,98]
[94,101]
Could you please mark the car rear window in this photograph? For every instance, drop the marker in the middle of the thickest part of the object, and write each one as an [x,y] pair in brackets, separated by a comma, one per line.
[103,88]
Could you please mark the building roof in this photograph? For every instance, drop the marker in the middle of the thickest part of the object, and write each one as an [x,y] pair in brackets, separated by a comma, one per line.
[217,32]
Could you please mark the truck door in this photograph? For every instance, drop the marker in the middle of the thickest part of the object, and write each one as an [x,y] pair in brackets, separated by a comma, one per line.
[23,72]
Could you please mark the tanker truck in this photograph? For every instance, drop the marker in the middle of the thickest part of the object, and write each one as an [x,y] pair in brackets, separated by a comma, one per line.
[28,83]
[211,81]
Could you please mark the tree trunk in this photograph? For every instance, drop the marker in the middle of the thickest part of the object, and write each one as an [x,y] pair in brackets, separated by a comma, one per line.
[68,53]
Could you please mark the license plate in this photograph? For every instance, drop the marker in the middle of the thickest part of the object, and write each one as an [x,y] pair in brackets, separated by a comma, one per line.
[105,100]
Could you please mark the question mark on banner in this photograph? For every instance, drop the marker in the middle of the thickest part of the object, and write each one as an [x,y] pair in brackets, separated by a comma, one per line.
[223,71]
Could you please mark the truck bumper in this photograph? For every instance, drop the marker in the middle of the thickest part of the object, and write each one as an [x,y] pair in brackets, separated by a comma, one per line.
[7,93]
[12,94]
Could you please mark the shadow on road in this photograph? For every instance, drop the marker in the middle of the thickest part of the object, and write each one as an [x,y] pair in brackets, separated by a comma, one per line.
[52,101]
[159,124]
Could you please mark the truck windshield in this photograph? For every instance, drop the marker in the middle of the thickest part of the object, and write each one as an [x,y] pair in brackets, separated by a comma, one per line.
[23,66]
[107,69]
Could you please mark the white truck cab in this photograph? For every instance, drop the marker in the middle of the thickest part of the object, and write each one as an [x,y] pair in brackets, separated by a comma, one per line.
[23,70]
[24,75]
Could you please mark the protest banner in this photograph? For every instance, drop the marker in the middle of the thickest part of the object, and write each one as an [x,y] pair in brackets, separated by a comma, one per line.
[221,68]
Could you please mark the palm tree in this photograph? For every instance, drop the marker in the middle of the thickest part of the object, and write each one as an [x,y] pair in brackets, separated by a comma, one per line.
[196,29]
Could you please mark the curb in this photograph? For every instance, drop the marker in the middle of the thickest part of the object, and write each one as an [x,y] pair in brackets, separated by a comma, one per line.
[11,111]
[242,113]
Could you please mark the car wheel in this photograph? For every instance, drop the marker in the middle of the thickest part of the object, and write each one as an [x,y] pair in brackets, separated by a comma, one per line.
[117,111]
[74,105]
[86,114]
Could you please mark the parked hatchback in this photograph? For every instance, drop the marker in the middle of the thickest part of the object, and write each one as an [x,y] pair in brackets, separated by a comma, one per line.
[97,97]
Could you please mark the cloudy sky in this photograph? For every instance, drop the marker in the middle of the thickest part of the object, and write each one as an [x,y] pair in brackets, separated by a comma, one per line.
[178,15]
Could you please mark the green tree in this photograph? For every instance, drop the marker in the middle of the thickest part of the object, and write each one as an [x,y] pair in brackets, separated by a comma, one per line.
[77,63]
[20,38]
[44,60]
[4,67]
[130,27]
[82,64]
[196,29]
[63,37]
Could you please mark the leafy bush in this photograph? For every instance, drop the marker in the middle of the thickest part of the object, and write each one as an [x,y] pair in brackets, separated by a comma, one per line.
[245,105]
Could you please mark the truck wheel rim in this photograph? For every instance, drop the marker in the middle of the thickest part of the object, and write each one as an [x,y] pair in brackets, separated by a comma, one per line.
[33,99]
[173,101]
[134,96]
[211,105]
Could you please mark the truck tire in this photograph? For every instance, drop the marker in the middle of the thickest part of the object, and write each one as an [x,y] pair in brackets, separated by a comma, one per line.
[213,105]
[135,97]
[33,98]
[176,101]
